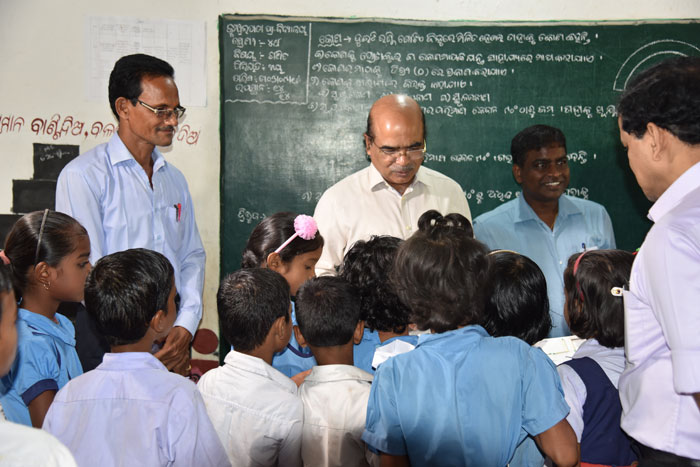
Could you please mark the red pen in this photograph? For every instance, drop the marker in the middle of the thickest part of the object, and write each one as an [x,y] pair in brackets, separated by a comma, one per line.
[178,211]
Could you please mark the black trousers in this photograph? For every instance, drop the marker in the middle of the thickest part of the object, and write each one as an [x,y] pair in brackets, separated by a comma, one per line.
[650,457]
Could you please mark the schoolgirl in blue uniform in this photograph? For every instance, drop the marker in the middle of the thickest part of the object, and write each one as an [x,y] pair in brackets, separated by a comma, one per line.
[48,253]
[291,245]
[366,266]
[594,310]
[461,397]
[516,304]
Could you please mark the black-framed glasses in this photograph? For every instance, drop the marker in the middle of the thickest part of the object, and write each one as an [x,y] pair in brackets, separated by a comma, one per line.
[412,152]
[164,114]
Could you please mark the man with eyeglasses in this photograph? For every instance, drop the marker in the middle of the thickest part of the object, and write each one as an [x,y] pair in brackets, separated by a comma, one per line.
[127,195]
[388,196]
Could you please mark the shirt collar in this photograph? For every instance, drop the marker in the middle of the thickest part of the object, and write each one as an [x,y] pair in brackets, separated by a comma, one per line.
[526,213]
[377,182]
[669,199]
[471,332]
[63,330]
[119,153]
[327,373]
[259,367]
[130,361]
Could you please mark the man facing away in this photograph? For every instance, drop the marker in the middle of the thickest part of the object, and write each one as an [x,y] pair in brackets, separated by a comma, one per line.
[127,195]
[388,196]
[543,223]
[660,387]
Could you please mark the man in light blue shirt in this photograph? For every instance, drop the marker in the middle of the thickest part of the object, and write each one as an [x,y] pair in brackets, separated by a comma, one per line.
[127,195]
[544,224]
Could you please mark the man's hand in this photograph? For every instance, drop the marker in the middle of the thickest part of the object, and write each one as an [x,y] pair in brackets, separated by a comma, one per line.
[175,354]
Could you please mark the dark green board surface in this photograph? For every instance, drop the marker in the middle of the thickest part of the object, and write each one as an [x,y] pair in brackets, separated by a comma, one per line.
[296,92]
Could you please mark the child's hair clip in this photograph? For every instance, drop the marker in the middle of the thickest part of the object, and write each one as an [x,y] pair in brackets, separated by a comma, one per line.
[616,291]
[304,227]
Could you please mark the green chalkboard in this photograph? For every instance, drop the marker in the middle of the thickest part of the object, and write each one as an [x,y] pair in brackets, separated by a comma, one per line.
[295,94]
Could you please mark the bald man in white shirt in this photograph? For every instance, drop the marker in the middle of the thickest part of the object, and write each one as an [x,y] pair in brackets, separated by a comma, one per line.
[388,196]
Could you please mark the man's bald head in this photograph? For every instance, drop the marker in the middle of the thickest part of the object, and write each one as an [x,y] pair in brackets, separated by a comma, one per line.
[392,104]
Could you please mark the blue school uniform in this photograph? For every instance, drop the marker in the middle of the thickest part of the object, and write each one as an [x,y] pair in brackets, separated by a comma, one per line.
[294,358]
[462,398]
[363,353]
[602,440]
[46,360]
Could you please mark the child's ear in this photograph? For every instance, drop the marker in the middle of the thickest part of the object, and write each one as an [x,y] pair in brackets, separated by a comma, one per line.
[280,331]
[44,274]
[274,262]
[159,323]
[299,336]
[359,332]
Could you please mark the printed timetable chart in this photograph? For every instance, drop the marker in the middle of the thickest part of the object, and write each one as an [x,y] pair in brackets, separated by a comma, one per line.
[180,43]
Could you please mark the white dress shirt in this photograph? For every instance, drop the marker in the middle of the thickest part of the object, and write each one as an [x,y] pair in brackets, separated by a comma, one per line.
[364,204]
[335,404]
[255,410]
[662,326]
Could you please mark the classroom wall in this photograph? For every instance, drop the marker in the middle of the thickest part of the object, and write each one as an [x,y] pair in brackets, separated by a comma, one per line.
[42,62]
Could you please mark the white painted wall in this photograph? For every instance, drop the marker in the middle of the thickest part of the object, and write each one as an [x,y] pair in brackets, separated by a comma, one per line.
[42,61]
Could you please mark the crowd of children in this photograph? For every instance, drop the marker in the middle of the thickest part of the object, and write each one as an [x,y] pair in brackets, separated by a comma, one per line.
[418,352]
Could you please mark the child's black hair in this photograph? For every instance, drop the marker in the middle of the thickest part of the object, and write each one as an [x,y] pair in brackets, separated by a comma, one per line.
[249,301]
[366,266]
[5,282]
[125,290]
[515,298]
[28,243]
[597,314]
[272,232]
[439,273]
[328,310]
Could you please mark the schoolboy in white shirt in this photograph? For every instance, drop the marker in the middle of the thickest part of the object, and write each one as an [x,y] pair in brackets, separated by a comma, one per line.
[254,407]
[335,393]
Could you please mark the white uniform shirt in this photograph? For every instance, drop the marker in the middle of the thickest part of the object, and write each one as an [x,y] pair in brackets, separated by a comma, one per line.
[23,446]
[255,410]
[335,404]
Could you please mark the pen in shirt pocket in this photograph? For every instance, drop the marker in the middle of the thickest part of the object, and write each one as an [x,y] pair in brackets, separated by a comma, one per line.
[178,211]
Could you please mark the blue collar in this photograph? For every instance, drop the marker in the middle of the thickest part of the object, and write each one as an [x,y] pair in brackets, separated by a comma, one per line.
[525,212]
[119,153]
[40,324]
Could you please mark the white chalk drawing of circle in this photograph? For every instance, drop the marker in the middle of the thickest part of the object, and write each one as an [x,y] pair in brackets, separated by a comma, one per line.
[647,52]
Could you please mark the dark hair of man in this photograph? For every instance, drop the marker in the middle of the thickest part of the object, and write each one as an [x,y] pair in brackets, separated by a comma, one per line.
[516,302]
[328,311]
[598,314]
[366,266]
[125,290]
[24,250]
[534,138]
[439,273]
[668,95]
[127,74]
[249,301]
[272,232]
[5,281]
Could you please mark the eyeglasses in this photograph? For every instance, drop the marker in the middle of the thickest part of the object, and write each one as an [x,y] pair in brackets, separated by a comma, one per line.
[411,152]
[165,114]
